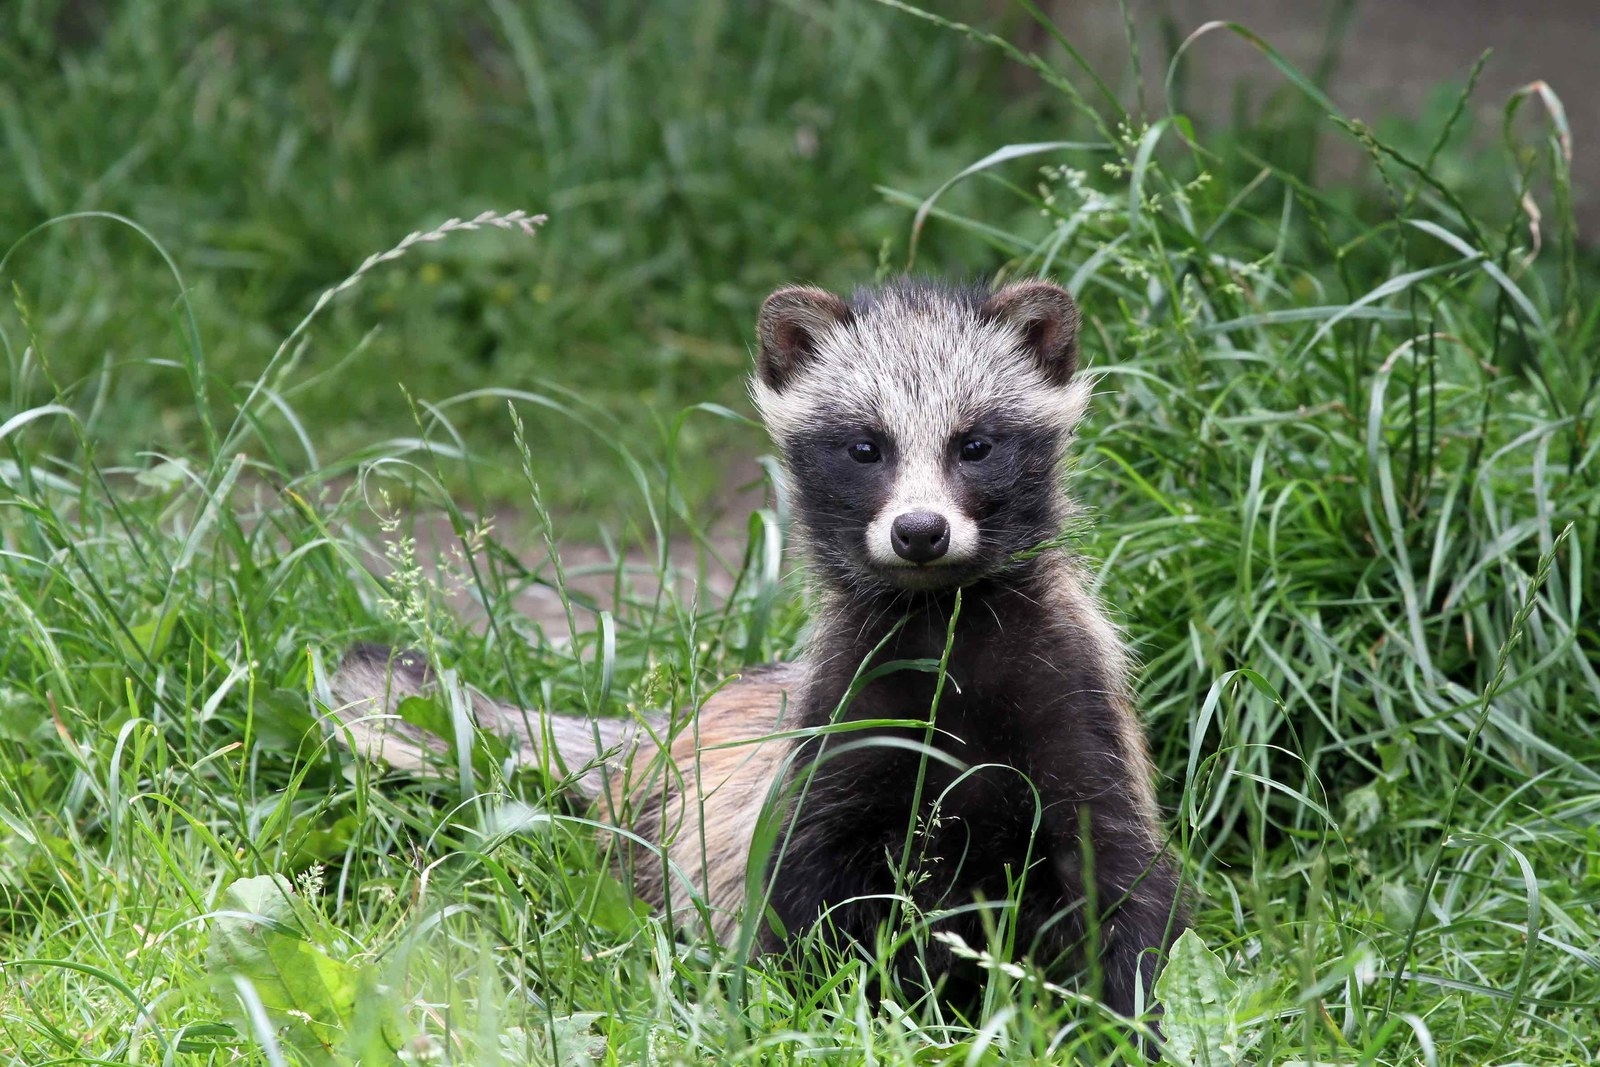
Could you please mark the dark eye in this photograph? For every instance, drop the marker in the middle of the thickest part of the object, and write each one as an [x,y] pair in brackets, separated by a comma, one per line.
[864,452]
[975,448]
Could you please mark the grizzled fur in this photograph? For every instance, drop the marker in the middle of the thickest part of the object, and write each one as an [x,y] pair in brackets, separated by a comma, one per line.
[1029,794]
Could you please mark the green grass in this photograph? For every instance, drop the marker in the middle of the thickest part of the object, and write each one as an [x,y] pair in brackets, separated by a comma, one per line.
[1342,464]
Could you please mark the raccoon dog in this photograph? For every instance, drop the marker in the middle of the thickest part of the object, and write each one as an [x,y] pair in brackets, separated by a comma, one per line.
[958,738]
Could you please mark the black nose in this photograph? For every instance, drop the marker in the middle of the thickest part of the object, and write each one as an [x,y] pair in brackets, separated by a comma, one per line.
[920,536]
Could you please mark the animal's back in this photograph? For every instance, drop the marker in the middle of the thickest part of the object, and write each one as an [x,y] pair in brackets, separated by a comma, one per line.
[702,803]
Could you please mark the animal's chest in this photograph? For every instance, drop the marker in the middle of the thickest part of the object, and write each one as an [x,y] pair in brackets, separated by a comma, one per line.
[957,804]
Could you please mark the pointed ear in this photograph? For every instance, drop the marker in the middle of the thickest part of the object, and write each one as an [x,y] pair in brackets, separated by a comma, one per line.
[789,328]
[1047,319]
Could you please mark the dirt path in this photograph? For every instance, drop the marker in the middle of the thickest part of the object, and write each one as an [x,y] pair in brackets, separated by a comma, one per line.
[596,576]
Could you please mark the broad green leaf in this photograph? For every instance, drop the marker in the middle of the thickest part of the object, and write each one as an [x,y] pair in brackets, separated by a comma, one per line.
[22,716]
[1201,1005]
[570,1041]
[318,1003]
[153,637]
[607,902]
[167,475]
[425,713]
[315,837]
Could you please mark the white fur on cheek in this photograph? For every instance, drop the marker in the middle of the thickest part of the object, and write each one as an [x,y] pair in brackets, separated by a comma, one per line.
[1071,401]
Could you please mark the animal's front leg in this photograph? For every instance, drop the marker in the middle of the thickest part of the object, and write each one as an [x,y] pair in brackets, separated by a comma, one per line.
[1140,916]
[1134,889]
[822,876]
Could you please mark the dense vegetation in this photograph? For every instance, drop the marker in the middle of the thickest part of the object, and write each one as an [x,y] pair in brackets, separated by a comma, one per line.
[1342,469]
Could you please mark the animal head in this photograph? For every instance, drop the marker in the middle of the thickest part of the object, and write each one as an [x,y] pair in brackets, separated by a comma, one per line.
[921,426]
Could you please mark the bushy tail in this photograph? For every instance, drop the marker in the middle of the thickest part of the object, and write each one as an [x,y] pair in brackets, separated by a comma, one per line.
[372,681]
